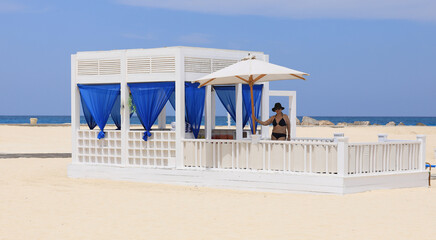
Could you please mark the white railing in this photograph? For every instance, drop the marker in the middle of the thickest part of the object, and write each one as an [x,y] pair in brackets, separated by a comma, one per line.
[303,155]
[383,157]
[282,156]
[323,157]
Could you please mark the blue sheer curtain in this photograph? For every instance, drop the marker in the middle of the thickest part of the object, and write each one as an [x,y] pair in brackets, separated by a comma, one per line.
[257,95]
[194,105]
[88,117]
[194,102]
[173,100]
[227,96]
[150,99]
[99,99]
[115,113]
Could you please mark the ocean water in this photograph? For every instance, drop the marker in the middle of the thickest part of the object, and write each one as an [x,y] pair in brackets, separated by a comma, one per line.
[222,120]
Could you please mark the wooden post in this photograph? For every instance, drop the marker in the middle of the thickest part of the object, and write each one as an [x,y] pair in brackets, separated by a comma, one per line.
[342,156]
[238,92]
[252,105]
[422,140]
[208,113]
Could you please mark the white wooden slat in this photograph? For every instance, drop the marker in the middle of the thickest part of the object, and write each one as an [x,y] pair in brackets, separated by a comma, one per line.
[246,155]
[284,157]
[198,65]
[195,154]
[327,159]
[263,156]
[201,155]
[233,155]
[310,158]
[305,158]
[269,157]
[218,64]
[289,157]
[361,158]
[370,156]
[87,67]
[213,155]
[237,155]
[391,154]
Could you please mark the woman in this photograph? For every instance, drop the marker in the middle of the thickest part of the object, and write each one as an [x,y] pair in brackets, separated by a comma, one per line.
[281,124]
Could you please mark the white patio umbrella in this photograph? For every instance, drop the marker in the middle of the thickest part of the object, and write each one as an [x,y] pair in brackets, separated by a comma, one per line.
[250,71]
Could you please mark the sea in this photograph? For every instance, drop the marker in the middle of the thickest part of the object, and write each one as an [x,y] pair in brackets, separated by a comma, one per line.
[222,120]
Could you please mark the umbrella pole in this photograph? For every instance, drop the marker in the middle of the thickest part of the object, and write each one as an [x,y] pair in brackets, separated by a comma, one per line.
[252,108]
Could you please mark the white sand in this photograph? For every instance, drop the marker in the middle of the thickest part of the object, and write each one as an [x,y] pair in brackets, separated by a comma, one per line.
[38,201]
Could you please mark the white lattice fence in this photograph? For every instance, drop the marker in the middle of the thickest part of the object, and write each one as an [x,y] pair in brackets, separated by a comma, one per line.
[105,151]
[158,151]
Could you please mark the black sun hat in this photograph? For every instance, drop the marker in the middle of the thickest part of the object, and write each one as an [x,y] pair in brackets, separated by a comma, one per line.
[277,106]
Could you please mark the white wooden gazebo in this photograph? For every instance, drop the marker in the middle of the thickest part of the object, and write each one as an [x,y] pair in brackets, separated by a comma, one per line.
[327,165]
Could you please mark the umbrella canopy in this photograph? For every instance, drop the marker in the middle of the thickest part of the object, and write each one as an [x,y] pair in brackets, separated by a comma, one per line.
[250,71]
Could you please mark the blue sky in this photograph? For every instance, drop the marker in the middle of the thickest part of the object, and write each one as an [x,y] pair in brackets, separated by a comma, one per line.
[366,58]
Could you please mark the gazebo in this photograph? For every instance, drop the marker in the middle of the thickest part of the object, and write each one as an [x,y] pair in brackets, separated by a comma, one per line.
[110,84]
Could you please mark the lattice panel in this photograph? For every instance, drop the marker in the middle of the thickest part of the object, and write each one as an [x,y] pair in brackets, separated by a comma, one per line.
[106,151]
[158,151]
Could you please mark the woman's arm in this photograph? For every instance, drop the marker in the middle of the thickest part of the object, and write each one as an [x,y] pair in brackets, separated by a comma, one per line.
[288,125]
[265,123]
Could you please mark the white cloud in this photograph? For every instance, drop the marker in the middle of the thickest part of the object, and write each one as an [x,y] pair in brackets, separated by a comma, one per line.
[195,38]
[303,9]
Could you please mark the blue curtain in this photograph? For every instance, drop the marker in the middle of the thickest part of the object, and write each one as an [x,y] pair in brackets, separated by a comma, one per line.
[194,102]
[173,101]
[115,113]
[227,96]
[257,95]
[100,99]
[150,99]
[194,105]
[88,117]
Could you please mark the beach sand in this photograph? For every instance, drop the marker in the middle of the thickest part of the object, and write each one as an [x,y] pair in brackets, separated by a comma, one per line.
[38,201]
